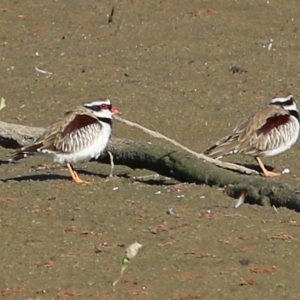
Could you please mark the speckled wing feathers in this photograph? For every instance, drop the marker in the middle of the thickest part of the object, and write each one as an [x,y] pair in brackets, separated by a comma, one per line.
[65,135]
[253,135]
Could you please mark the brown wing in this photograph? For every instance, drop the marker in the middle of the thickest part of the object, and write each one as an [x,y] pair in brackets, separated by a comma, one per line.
[76,135]
[59,135]
[78,122]
[261,130]
[249,136]
[271,123]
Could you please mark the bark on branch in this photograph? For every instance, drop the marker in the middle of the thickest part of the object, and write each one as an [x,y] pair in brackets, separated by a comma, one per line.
[179,165]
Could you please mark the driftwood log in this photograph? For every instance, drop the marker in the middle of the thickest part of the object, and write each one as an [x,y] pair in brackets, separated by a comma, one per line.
[176,164]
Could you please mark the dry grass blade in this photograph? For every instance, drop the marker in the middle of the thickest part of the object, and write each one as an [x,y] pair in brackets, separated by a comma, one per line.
[225,165]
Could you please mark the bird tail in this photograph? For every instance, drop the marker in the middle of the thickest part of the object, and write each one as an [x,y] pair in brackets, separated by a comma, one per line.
[25,151]
[226,146]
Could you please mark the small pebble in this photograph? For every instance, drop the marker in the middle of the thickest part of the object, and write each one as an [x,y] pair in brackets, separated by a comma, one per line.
[286,171]
[245,262]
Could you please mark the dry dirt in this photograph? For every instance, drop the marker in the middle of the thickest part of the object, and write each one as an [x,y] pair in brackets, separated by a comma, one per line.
[166,65]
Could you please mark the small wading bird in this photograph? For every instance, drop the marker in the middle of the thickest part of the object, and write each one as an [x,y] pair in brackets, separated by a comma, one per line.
[269,131]
[81,135]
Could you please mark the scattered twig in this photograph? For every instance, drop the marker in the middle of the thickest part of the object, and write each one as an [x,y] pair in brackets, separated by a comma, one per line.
[112,165]
[42,71]
[111,15]
[275,208]
[241,199]
[11,291]
[146,177]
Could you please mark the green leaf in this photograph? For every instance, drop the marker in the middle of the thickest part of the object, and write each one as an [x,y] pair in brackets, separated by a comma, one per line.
[125,263]
[2,103]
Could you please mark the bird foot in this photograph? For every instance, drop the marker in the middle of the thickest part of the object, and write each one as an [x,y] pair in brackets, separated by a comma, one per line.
[79,181]
[110,177]
[270,174]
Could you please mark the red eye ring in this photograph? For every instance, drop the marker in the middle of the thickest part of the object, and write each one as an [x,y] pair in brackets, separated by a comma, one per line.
[104,106]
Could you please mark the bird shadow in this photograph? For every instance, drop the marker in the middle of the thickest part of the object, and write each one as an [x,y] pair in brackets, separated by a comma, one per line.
[4,162]
[47,177]
[37,177]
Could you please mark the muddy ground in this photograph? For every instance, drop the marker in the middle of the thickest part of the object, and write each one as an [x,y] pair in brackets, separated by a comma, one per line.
[166,65]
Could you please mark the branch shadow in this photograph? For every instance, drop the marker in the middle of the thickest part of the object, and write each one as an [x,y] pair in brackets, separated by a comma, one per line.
[157,182]
[257,167]
[104,176]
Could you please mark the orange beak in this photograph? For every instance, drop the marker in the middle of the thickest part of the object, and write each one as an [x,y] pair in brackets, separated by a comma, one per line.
[114,111]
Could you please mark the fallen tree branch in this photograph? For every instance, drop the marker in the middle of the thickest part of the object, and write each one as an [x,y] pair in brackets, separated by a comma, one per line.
[181,166]
[218,163]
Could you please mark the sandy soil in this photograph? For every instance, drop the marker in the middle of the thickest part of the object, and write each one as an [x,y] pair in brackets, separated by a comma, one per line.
[166,65]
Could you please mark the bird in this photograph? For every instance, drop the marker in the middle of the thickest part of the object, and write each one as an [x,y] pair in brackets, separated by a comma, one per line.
[269,131]
[80,135]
